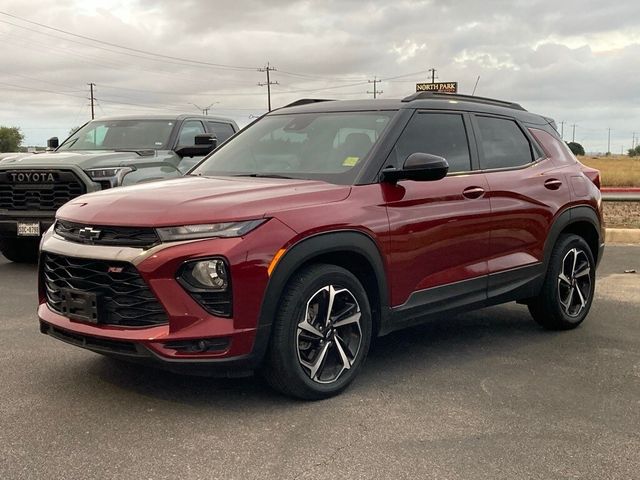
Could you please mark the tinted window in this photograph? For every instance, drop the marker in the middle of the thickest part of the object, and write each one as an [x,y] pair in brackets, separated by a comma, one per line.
[190,129]
[502,143]
[441,134]
[120,135]
[221,130]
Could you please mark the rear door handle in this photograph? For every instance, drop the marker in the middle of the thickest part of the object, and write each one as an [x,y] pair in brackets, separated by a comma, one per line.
[553,184]
[473,192]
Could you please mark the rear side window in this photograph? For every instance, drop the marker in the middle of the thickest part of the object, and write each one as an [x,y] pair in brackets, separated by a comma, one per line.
[441,134]
[221,130]
[502,143]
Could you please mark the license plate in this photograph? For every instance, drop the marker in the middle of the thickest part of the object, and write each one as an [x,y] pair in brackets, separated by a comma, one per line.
[77,305]
[28,229]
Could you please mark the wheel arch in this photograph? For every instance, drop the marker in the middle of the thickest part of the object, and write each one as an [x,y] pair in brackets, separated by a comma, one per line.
[350,249]
[582,221]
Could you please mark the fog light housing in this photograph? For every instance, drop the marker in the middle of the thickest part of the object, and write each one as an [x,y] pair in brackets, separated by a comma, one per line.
[211,274]
[208,281]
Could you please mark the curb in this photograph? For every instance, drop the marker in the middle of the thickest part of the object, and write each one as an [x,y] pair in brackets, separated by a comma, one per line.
[620,189]
[622,235]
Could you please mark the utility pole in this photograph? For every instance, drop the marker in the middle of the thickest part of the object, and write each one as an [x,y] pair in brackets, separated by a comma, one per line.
[573,136]
[433,74]
[609,143]
[375,92]
[268,69]
[562,129]
[91,85]
[633,140]
[204,110]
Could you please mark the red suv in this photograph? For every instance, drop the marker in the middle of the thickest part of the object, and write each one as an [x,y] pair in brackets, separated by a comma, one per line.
[320,226]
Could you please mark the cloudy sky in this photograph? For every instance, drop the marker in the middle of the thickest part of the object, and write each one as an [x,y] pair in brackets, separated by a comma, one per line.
[577,61]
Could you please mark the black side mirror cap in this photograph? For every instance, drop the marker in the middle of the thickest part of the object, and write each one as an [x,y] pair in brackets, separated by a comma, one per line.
[422,167]
[53,143]
[203,144]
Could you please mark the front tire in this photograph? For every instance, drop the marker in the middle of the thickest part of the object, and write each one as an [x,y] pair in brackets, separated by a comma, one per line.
[20,250]
[569,286]
[321,334]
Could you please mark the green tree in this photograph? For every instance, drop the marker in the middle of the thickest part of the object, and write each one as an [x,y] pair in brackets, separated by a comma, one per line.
[10,139]
[576,148]
[634,152]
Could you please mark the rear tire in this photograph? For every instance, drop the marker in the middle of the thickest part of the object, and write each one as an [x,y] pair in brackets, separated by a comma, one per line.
[20,250]
[569,286]
[321,334]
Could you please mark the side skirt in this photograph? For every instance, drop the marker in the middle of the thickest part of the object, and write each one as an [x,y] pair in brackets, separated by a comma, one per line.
[516,284]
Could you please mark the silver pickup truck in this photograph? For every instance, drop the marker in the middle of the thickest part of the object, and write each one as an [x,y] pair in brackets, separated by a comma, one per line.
[103,153]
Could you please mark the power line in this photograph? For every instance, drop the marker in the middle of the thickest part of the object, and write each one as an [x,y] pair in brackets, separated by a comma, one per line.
[145,52]
[268,69]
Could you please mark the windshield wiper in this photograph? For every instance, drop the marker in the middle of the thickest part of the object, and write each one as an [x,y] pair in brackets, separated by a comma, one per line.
[263,175]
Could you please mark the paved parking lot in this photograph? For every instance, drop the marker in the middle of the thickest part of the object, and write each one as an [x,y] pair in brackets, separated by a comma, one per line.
[485,395]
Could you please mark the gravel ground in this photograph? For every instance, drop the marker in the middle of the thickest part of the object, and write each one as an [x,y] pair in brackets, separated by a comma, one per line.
[622,214]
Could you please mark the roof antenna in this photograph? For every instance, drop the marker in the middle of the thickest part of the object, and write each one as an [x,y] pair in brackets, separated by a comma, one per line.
[475,86]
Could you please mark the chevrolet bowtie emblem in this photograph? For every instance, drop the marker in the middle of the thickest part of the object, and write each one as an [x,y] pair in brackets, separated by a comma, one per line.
[88,233]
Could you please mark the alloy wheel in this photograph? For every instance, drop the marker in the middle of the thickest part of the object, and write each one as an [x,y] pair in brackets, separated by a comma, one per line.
[574,282]
[329,335]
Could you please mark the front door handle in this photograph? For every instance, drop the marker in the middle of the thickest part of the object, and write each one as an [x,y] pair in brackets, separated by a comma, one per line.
[473,192]
[553,184]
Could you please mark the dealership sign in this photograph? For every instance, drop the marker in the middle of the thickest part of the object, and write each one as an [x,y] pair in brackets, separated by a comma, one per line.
[445,87]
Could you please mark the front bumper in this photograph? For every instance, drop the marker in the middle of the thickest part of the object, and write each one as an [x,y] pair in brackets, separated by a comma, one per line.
[245,337]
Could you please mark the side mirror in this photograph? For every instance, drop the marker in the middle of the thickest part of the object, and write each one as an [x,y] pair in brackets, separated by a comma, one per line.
[422,167]
[53,143]
[203,143]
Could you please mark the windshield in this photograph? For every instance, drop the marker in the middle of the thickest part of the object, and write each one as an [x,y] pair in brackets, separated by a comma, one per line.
[121,135]
[317,146]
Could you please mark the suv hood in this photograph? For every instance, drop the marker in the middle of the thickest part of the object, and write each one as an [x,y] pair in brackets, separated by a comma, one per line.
[83,159]
[192,200]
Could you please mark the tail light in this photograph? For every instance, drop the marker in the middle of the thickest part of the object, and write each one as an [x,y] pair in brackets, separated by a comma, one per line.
[592,174]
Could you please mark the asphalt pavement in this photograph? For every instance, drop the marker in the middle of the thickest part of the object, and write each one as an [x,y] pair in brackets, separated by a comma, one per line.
[486,394]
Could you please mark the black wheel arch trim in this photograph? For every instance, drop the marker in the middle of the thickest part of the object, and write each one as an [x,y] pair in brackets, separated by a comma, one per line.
[306,250]
[572,215]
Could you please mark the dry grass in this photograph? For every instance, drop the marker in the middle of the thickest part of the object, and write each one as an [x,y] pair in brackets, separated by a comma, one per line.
[616,170]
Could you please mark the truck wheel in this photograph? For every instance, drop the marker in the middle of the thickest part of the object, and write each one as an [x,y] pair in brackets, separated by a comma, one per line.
[566,295]
[20,250]
[321,334]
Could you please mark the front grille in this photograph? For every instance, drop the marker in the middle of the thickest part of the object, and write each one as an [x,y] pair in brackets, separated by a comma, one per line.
[18,193]
[123,296]
[119,236]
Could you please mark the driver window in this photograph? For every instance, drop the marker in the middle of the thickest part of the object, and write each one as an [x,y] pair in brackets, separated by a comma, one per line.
[189,130]
[441,134]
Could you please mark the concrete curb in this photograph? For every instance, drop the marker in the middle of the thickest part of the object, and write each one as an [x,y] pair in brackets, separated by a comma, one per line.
[622,235]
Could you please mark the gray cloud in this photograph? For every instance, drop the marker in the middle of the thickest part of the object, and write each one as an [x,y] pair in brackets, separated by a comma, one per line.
[574,60]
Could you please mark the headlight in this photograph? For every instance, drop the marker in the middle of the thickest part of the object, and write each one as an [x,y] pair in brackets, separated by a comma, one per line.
[224,230]
[109,177]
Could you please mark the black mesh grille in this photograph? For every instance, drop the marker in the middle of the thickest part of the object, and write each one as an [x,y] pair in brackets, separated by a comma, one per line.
[40,190]
[121,236]
[123,296]
[218,303]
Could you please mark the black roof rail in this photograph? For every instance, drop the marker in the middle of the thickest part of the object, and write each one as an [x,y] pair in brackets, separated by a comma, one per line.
[305,101]
[461,97]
